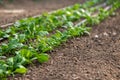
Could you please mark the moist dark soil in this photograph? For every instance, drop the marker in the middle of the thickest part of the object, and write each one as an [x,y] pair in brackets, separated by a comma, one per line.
[93,57]
[31,8]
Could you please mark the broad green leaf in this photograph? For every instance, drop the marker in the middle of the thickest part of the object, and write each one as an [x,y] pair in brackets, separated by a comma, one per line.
[26,53]
[21,70]
[10,61]
[22,37]
[43,57]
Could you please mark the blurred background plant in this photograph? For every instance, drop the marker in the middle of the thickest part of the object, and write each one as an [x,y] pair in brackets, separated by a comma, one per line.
[2,1]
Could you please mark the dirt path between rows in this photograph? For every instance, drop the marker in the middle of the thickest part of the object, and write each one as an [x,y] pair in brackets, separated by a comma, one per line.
[18,9]
[93,57]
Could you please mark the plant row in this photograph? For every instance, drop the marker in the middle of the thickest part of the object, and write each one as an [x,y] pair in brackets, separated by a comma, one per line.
[48,22]
[23,54]
[28,29]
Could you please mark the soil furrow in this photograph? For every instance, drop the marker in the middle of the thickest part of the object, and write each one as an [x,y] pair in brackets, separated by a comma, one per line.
[93,57]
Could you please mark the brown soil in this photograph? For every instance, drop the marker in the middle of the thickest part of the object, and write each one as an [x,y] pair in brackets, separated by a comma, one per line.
[31,7]
[93,57]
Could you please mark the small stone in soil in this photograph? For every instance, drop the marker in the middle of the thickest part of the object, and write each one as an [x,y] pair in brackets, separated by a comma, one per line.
[96,36]
[105,34]
[114,33]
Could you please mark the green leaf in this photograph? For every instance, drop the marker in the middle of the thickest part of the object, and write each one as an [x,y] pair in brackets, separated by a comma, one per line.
[43,33]
[22,70]
[22,37]
[8,30]
[13,43]
[43,57]
[10,61]
[6,36]
[26,53]
[19,60]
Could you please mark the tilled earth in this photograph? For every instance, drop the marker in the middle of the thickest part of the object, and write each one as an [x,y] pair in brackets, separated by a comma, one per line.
[30,8]
[93,57]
